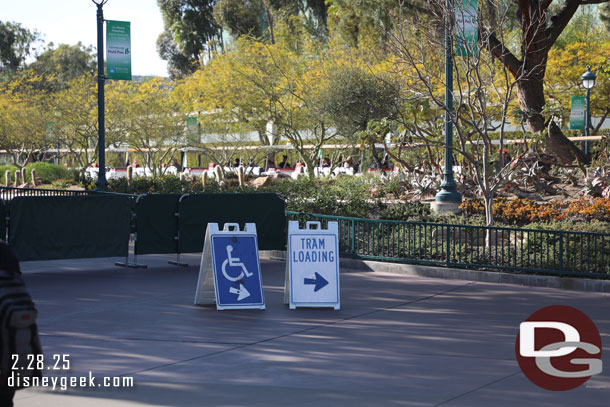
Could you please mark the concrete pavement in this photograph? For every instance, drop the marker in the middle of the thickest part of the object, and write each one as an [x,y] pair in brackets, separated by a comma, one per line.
[398,340]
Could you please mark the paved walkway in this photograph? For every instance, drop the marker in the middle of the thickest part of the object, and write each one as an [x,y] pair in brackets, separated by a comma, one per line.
[397,341]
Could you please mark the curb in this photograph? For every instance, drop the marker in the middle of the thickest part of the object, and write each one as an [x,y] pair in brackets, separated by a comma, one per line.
[497,277]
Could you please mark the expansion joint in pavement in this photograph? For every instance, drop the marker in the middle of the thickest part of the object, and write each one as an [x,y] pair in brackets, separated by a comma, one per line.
[477,388]
[119,338]
[301,330]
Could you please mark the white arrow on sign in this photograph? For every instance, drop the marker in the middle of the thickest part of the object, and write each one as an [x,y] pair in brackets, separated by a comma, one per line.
[242,293]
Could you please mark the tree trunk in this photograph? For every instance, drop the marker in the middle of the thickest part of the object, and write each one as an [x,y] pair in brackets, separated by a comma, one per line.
[377,160]
[309,166]
[489,214]
[530,93]
[539,31]
[489,221]
[270,22]
[310,171]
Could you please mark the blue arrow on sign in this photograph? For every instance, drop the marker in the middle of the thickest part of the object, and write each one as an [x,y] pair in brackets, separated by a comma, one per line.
[318,281]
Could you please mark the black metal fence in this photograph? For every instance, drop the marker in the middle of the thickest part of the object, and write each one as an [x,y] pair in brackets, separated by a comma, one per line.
[499,248]
[8,193]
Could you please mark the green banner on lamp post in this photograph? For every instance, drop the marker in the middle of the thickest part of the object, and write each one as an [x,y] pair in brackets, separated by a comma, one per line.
[577,114]
[49,133]
[192,129]
[118,50]
[466,28]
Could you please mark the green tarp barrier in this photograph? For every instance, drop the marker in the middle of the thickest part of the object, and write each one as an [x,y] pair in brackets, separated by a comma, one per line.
[157,224]
[2,220]
[46,228]
[266,210]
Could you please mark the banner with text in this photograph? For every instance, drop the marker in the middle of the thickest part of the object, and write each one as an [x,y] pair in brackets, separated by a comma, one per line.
[577,115]
[192,128]
[466,28]
[118,50]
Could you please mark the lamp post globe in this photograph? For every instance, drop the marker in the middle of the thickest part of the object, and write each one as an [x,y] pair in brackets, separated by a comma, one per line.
[588,81]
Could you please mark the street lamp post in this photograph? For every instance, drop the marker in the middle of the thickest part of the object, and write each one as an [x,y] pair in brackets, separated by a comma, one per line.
[588,81]
[101,183]
[448,193]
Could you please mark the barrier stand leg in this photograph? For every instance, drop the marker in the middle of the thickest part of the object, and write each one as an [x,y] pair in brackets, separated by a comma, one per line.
[135,264]
[177,262]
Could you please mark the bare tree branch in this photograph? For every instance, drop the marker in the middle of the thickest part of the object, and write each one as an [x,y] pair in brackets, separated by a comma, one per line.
[559,21]
[503,54]
[417,8]
[588,2]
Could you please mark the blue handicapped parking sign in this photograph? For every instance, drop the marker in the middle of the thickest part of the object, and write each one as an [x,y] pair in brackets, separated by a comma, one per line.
[237,271]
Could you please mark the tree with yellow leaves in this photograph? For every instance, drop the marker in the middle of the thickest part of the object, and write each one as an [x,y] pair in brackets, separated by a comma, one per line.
[260,84]
[75,120]
[150,116]
[24,118]
[566,65]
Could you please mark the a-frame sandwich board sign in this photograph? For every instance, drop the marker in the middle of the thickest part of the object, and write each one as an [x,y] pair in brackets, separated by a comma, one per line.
[230,272]
[312,266]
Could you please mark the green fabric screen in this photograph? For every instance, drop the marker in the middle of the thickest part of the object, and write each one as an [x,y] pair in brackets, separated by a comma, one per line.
[70,227]
[266,210]
[157,224]
[2,220]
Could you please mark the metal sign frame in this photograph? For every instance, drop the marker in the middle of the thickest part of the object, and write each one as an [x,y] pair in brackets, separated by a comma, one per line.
[210,272]
[313,275]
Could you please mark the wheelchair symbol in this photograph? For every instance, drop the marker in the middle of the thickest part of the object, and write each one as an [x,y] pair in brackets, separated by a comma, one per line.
[234,262]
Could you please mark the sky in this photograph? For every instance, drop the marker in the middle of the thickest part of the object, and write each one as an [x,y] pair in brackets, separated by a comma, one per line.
[71,21]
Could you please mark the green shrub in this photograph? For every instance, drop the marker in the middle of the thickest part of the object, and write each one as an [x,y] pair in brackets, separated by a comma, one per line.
[341,197]
[79,177]
[166,184]
[119,185]
[392,187]
[590,227]
[62,184]
[411,211]
[169,184]
[47,172]
[345,196]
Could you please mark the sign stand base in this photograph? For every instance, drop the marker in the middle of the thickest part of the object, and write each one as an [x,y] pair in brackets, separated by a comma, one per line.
[206,293]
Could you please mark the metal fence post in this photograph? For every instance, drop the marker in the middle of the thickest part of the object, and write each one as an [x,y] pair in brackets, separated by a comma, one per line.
[560,251]
[353,245]
[448,245]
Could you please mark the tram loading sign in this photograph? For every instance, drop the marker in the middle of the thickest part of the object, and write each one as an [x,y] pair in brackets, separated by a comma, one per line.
[312,269]
[230,274]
